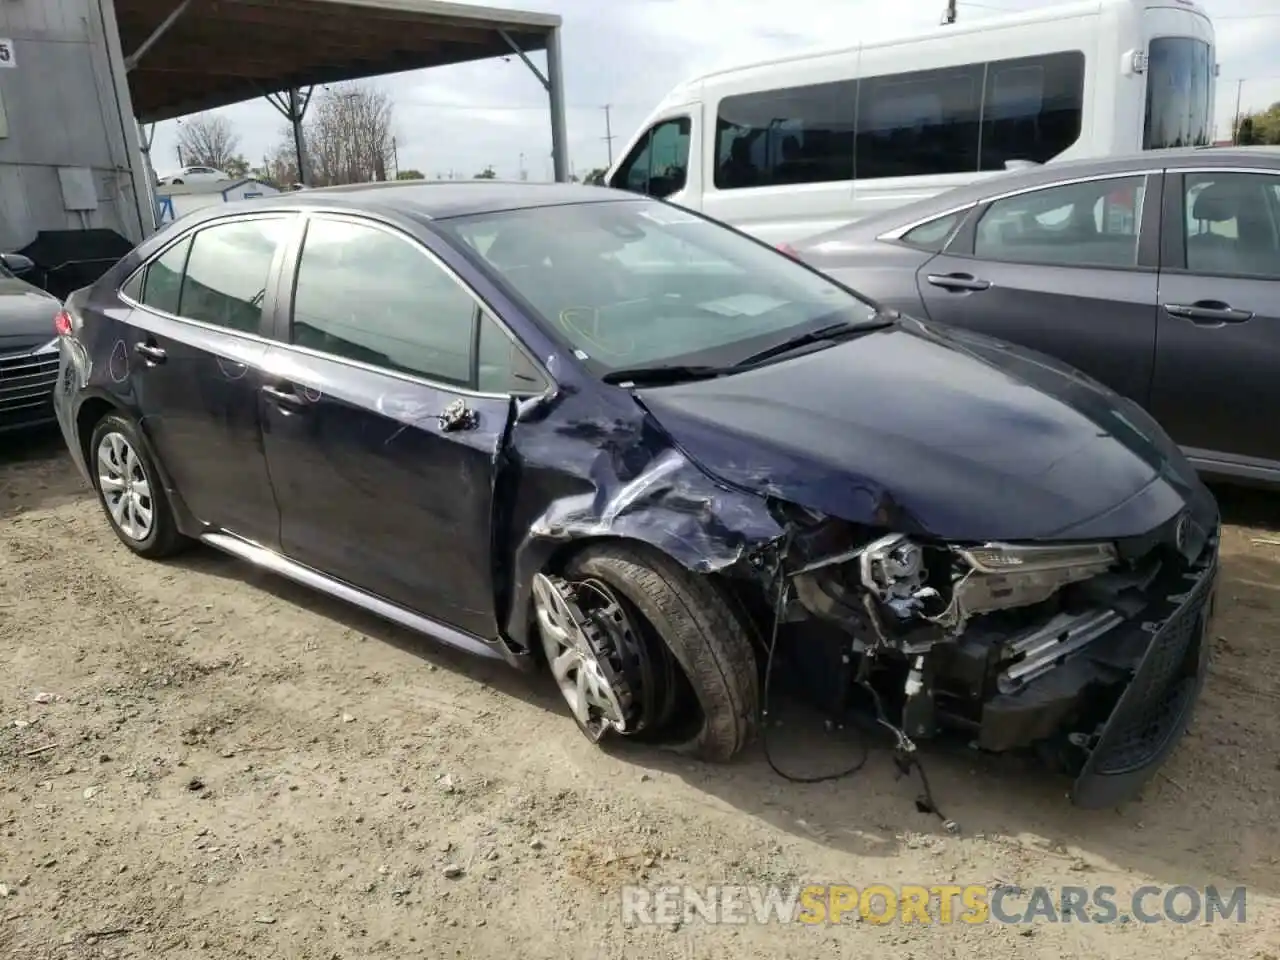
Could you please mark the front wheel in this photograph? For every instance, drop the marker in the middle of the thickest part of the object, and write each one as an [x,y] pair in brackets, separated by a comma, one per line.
[641,646]
[130,490]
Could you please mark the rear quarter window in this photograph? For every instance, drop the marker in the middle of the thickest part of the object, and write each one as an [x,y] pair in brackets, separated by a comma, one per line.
[934,234]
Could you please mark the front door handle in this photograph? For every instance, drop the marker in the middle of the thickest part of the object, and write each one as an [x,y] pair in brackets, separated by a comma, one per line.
[150,352]
[1210,313]
[957,281]
[287,399]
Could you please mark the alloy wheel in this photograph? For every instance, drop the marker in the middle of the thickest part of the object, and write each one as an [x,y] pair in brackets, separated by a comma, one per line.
[124,486]
[573,646]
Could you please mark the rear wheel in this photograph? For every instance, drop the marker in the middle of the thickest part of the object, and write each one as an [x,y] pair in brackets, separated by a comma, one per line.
[642,647]
[130,490]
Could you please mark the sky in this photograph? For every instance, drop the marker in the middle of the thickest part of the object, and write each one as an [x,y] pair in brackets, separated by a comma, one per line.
[628,53]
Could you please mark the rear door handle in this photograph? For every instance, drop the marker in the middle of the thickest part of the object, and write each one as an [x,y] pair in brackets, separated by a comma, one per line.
[285,398]
[957,281]
[1210,313]
[150,352]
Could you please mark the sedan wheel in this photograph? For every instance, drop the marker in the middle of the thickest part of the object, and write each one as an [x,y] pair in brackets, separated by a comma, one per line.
[125,490]
[638,645]
[130,489]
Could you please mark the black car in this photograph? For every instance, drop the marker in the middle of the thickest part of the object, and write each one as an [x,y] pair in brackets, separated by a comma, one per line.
[1158,274]
[28,351]
[561,424]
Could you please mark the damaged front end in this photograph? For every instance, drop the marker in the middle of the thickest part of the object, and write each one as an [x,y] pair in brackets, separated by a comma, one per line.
[1089,654]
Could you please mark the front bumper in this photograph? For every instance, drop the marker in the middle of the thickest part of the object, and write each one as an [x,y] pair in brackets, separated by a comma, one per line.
[1126,697]
[1156,707]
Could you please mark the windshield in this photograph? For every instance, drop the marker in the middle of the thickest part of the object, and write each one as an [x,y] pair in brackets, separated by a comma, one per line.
[639,283]
[1178,80]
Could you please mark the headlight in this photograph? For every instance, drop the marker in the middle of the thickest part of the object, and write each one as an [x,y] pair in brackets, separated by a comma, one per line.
[1007,558]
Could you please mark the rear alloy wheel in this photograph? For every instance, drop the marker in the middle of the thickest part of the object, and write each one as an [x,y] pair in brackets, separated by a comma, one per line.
[130,490]
[639,646]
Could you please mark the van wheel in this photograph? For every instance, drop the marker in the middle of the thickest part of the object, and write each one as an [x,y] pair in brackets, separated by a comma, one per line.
[642,647]
[130,490]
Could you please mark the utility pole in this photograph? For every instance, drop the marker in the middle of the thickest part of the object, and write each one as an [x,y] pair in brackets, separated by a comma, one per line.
[608,133]
[1235,131]
[950,16]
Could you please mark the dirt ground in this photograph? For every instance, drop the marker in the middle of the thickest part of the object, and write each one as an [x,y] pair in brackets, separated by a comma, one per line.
[227,765]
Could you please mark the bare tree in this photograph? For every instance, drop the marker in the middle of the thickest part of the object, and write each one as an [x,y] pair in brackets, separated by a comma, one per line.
[281,165]
[207,140]
[349,138]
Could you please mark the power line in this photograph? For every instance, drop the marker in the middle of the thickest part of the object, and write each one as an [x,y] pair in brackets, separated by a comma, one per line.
[1245,16]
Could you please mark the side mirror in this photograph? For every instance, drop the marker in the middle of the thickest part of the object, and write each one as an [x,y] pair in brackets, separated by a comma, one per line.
[17,264]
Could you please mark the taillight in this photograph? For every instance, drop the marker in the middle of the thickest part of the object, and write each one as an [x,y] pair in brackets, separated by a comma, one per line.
[789,250]
[62,324]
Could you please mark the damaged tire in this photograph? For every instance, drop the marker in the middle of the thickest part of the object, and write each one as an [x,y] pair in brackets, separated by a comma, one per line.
[698,662]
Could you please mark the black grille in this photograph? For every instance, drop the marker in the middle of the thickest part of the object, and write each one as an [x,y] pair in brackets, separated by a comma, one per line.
[26,385]
[1157,698]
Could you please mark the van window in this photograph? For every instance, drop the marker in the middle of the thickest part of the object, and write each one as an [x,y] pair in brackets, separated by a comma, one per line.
[916,124]
[1032,109]
[658,165]
[953,120]
[798,135]
[1178,83]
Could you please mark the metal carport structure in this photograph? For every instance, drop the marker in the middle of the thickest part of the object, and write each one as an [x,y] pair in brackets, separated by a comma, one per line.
[184,56]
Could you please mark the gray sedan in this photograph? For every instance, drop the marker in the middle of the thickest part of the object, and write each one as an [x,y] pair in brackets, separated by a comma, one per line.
[1157,274]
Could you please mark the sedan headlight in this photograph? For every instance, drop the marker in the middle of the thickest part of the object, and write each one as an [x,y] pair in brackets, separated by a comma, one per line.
[1008,558]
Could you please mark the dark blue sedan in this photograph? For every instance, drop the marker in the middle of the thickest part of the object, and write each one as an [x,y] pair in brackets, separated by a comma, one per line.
[565,425]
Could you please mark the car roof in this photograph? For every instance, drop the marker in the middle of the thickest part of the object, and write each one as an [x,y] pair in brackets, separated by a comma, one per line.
[1263,157]
[437,199]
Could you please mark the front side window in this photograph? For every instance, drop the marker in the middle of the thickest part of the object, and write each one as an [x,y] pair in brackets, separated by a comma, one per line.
[658,165]
[162,285]
[367,294]
[1095,223]
[1179,77]
[790,136]
[1233,224]
[227,272]
[634,283]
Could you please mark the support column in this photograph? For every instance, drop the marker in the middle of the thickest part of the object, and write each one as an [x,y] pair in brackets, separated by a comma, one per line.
[555,91]
[553,83]
[292,105]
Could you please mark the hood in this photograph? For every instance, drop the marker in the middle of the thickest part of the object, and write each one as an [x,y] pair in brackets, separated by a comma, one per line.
[947,433]
[26,315]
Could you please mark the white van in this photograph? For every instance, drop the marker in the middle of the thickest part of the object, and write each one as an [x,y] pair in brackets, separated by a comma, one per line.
[787,148]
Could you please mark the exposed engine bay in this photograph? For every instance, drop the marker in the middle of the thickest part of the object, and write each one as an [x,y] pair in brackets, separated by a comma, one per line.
[1012,646]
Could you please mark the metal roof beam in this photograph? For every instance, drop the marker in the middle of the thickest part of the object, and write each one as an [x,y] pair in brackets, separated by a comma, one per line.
[131,61]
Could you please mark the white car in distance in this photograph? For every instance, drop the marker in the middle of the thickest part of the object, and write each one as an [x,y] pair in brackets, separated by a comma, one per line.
[194,175]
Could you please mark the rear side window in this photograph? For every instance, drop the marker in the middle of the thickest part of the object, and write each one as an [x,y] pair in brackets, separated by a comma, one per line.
[228,270]
[934,234]
[162,286]
[1090,224]
[367,294]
